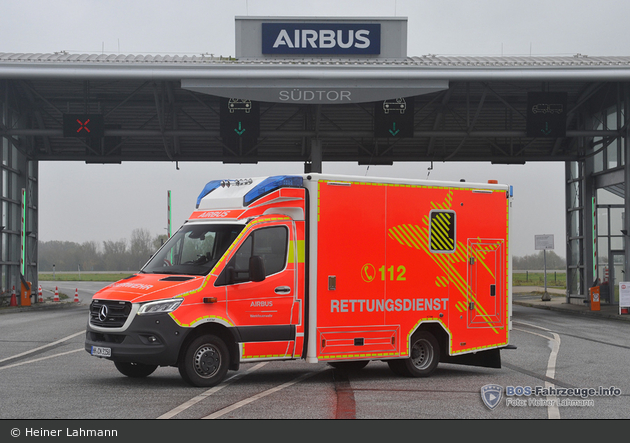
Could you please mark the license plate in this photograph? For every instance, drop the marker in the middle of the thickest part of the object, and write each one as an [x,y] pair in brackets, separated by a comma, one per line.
[99,351]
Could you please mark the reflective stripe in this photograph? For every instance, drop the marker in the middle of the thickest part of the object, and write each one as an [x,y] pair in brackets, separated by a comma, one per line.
[300,251]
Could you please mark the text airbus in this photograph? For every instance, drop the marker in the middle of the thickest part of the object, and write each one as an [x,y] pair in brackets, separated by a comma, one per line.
[324,38]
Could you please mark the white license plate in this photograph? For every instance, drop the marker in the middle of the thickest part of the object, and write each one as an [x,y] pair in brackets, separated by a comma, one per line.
[99,351]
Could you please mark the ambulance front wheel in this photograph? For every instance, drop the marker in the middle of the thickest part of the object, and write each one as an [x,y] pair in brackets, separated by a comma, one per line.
[425,356]
[205,361]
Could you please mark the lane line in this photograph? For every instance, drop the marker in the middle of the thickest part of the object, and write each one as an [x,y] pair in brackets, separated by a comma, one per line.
[32,351]
[553,412]
[39,359]
[533,333]
[249,400]
[209,392]
[575,336]
[531,325]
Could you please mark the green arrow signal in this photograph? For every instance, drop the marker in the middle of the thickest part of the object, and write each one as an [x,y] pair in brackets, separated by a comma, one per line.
[394,131]
[239,131]
[546,131]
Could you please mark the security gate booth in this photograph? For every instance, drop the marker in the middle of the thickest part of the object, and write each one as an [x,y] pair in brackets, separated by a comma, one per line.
[315,90]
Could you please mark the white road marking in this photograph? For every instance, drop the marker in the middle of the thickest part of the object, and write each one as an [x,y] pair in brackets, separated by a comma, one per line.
[209,392]
[531,325]
[249,400]
[552,410]
[39,359]
[43,347]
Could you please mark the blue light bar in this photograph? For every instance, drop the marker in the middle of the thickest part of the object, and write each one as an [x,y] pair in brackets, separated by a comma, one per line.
[211,186]
[271,184]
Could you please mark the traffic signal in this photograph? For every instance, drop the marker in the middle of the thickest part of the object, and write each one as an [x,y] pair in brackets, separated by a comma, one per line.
[546,114]
[83,125]
[240,121]
[394,118]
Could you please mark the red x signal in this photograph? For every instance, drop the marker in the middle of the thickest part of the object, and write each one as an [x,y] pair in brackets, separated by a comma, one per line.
[83,125]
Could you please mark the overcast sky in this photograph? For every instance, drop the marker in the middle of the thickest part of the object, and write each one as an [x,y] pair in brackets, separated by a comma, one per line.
[80,202]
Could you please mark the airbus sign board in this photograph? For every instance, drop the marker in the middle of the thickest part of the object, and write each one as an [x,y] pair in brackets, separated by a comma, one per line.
[311,60]
[302,38]
[321,38]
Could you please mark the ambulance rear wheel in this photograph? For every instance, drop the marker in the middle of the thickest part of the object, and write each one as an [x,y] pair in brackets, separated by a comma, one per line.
[205,361]
[135,370]
[425,356]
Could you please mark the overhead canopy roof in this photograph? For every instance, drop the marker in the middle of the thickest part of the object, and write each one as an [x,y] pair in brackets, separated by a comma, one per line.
[466,108]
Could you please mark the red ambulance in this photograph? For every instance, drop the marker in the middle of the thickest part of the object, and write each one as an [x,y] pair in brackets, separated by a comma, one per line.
[318,267]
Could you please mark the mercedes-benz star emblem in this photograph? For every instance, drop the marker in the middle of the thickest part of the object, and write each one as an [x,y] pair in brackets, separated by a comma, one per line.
[102,313]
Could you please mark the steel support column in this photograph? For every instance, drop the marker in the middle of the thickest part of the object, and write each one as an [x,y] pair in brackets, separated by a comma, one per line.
[626,168]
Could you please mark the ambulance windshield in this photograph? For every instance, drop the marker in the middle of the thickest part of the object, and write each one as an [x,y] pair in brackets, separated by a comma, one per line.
[193,250]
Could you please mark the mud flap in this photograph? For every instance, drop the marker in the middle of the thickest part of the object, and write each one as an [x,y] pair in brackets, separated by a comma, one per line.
[487,359]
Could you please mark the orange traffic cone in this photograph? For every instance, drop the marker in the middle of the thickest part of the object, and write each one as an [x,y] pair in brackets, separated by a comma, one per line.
[76,295]
[13,298]
[40,296]
[56,294]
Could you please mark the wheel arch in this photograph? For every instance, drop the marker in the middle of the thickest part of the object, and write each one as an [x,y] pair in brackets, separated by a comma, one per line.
[223,332]
[439,331]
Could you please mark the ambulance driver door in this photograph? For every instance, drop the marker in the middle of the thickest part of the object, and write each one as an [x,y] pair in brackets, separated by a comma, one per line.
[263,256]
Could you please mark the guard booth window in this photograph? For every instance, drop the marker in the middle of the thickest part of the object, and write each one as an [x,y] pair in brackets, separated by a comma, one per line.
[442,231]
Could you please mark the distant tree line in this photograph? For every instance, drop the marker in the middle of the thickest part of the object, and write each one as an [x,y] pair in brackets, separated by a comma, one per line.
[123,255]
[536,262]
[120,255]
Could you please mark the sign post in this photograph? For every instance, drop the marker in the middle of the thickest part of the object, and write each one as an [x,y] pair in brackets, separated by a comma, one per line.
[624,297]
[542,243]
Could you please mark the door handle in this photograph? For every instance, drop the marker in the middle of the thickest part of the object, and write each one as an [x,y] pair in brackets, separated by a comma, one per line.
[282,290]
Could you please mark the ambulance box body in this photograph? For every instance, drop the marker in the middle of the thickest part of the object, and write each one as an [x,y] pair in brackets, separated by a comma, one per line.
[318,267]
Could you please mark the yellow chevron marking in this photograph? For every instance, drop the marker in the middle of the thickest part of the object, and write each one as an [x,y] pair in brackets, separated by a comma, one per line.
[461,306]
[417,237]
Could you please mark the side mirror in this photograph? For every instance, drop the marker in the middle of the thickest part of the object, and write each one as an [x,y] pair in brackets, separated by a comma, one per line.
[256,268]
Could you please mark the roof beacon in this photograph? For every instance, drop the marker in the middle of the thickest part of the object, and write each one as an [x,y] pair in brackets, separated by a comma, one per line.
[271,184]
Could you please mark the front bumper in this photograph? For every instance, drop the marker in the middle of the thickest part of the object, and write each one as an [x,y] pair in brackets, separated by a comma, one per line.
[153,339]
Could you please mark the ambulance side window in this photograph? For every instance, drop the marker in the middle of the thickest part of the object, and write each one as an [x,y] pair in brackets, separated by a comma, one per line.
[442,231]
[268,243]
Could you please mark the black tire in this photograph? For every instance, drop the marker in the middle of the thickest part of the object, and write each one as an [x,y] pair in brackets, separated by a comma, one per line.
[205,361]
[135,370]
[424,358]
[347,366]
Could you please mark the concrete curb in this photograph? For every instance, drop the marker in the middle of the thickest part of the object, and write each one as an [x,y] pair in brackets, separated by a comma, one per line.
[556,305]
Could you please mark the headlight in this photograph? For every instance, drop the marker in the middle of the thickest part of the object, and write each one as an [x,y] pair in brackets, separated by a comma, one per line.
[157,307]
